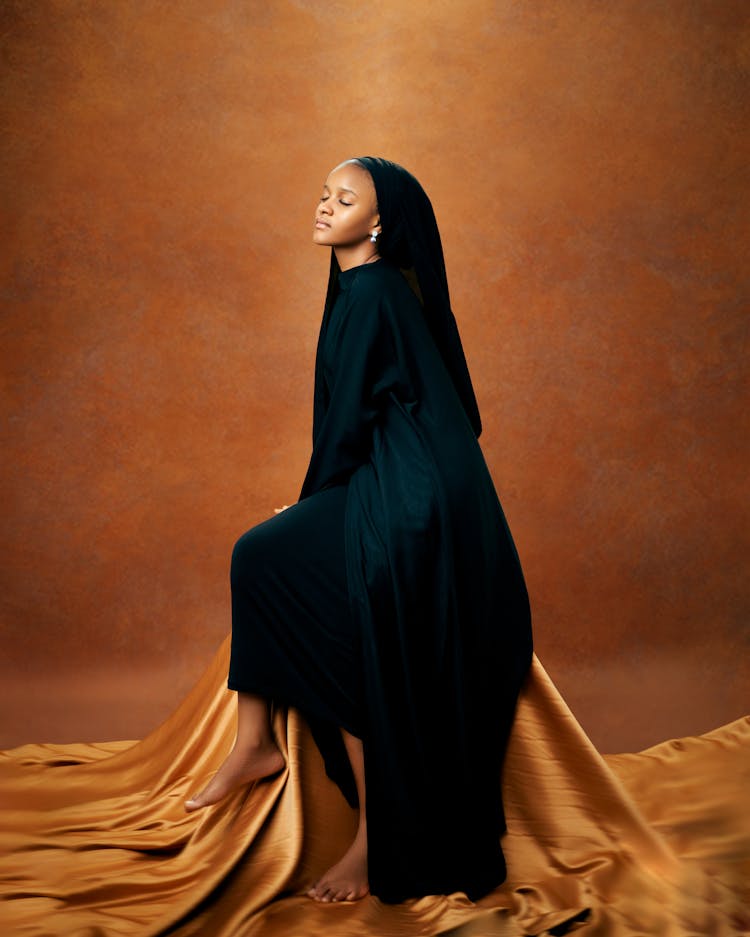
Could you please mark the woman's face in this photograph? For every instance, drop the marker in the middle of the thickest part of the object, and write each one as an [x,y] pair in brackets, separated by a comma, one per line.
[347,212]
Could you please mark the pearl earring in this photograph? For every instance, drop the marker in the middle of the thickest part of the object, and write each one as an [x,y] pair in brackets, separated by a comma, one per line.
[374,236]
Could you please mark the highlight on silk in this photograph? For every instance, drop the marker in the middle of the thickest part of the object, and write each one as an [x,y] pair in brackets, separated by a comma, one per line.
[396,352]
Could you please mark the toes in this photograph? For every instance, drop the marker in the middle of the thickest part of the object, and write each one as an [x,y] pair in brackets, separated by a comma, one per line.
[326,894]
[318,891]
[332,892]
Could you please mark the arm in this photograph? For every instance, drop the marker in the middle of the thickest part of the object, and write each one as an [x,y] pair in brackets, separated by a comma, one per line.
[367,369]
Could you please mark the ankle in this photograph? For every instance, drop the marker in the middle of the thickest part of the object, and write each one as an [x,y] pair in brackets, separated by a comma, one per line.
[255,743]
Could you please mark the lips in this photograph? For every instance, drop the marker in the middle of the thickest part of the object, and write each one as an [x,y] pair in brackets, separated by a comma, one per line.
[320,223]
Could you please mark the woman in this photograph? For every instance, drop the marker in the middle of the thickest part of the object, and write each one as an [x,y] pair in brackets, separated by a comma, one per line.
[388,604]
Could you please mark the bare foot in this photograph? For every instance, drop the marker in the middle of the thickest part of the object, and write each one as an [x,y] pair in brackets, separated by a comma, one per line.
[239,769]
[347,880]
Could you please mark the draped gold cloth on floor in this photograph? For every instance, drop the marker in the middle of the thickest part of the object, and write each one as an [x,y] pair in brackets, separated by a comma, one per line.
[95,840]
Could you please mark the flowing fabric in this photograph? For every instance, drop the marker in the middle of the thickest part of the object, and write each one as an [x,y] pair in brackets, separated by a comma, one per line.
[95,841]
[435,587]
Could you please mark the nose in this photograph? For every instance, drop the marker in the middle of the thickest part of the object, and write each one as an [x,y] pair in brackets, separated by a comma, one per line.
[324,208]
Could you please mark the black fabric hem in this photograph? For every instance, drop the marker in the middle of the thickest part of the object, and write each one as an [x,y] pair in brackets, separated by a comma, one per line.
[285,700]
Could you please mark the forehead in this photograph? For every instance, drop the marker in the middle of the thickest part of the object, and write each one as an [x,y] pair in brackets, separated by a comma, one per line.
[351,176]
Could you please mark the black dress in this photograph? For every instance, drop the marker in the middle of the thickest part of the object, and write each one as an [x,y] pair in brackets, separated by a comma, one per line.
[390,599]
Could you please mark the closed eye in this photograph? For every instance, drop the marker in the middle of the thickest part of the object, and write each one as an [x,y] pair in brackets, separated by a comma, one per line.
[324,198]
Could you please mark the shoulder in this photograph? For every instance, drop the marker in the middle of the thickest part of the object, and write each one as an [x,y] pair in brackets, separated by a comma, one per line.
[380,275]
[381,286]
[376,308]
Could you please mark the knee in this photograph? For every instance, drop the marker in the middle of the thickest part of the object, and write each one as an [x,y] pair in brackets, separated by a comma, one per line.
[245,558]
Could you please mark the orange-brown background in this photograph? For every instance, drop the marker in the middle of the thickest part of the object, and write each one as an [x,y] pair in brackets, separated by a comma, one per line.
[587,161]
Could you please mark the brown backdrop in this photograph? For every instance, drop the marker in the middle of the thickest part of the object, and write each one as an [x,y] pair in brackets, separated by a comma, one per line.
[161,162]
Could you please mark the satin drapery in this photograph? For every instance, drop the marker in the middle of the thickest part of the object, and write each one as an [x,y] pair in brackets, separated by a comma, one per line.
[95,841]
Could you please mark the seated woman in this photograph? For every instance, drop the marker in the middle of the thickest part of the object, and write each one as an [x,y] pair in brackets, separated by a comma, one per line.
[388,605]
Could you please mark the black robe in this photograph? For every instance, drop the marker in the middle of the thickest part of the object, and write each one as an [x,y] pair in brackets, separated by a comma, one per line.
[435,589]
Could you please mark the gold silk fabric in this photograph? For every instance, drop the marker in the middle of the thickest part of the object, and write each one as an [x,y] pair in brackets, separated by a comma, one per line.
[95,840]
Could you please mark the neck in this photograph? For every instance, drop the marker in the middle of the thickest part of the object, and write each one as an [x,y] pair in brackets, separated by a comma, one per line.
[349,257]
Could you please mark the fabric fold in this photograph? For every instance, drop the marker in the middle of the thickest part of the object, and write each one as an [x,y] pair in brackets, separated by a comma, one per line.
[94,838]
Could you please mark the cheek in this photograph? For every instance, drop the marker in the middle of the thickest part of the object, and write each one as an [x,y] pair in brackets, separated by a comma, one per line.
[347,226]
[361,222]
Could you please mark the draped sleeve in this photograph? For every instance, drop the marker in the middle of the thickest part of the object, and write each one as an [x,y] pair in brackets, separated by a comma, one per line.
[360,363]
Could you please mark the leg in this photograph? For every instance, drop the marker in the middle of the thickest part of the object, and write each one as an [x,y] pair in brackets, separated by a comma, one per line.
[347,880]
[254,755]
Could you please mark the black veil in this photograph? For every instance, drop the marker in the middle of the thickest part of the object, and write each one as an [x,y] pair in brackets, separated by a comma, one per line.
[410,240]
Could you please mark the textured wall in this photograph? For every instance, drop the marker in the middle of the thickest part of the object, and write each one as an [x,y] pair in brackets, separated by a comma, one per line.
[160,165]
